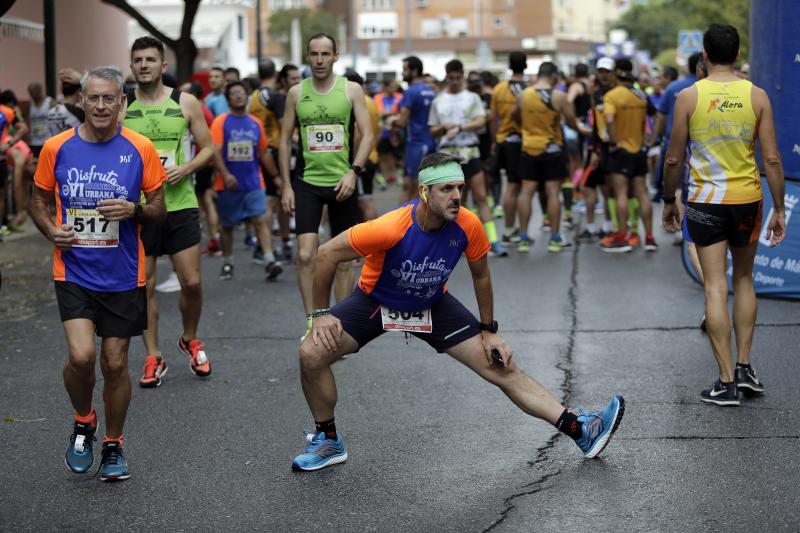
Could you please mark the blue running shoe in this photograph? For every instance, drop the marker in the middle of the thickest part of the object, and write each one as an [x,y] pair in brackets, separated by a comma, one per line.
[250,241]
[320,452]
[599,426]
[79,456]
[113,466]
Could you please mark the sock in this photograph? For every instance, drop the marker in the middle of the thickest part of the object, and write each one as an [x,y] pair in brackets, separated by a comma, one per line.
[328,427]
[286,240]
[555,236]
[612,210]
[508,232]
[118,440]
[740,365]
[309,320]
[523,235]
[227,259]
[90,419]
[491,230]
[569,425]
[566,192]
[607,226]
[269,257]
[633,209]
[592,227]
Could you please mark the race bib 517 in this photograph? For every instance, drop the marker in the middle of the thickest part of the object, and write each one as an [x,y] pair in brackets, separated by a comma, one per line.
[92,230]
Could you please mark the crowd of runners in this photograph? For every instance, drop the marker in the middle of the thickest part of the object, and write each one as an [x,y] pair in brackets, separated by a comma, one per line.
[143,168]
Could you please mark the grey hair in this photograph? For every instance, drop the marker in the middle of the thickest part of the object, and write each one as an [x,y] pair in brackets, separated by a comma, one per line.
[106,73]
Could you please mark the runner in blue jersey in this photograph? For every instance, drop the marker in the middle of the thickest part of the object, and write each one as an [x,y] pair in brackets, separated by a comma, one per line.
[414,111]
[410,253]
[96,173]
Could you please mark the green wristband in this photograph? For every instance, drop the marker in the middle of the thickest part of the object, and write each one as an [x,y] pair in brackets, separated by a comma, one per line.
[320,312]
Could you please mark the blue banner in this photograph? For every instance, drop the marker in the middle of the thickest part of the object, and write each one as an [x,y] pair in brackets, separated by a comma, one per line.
[776,271]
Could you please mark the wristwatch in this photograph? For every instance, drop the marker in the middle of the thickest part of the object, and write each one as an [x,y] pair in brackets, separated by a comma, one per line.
[138,210]
[357,170]
[668,199]
[491,328]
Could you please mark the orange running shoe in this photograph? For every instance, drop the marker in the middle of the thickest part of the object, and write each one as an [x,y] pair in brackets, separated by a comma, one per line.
[154,369]
[634,240]
[608,239]
[199,363]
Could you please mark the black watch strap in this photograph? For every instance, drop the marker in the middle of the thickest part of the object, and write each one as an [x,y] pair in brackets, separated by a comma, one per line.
[357,170]
[491,328]
[138,210]
[668,199]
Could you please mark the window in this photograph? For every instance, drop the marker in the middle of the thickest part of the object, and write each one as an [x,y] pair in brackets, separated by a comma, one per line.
[377,4]
[423,3]
[431,28]
[240,26]
[377,25]
[277,5]
[458,27]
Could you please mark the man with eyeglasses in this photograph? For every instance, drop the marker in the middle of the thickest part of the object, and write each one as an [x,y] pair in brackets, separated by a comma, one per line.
[170,119]
[97,172]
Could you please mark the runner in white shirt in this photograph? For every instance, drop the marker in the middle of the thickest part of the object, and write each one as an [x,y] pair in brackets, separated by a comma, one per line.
[40,106]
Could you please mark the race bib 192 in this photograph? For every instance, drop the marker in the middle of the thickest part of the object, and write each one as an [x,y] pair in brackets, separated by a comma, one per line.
[414,321]
[92,230]
[240,150]
[325,137]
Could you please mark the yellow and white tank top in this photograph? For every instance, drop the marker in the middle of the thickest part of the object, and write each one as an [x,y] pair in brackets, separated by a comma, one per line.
[722,136]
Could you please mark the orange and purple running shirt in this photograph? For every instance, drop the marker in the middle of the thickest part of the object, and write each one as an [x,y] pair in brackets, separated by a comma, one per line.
[106,256]
[407,268]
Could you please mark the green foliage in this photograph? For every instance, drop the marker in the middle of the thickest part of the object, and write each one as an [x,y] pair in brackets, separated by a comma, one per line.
[667,58]
[311,22]
[655,25]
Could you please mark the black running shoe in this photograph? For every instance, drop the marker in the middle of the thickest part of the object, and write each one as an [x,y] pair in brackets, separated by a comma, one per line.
[703,325]
[721,394]
[226,273]
[273,269]
[746,380]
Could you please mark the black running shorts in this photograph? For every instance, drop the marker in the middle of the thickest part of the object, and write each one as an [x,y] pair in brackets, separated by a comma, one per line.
[452,322]
[308,202]
[629,165]
[471,168]
[508,154]
[708,224]
[202,180]
[179,231]
[115,314]
[544,167]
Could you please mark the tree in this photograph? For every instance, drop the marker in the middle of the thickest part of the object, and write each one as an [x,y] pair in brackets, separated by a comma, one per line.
[184,48]
[655,25]
[311,22]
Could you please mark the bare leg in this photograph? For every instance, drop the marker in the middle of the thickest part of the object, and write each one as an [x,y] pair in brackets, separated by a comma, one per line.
[713,259]
[553,188]
[20,188]
[510,205]
[620,184]
[345,278]
[526,393]
[79,375]
[150,335]
[524,207]
[316,376]
[590,195]
[187,266]
[117,383]
[645,207]
[478,187]
[263,232]
[307,245]
[226,241]
[212,217]
[745,305]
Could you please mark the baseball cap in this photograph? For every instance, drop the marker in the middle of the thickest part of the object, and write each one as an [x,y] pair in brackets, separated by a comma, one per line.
[605,63]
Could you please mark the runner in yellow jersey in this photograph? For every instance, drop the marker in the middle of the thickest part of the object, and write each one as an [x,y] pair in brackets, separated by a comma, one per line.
[507,140]
[721,117]
[626,109]
[540,109]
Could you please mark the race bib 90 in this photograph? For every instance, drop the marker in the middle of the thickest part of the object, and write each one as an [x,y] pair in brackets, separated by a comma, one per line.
[240,151]
[167,158]
[325,137]
[92,230]
[415,321]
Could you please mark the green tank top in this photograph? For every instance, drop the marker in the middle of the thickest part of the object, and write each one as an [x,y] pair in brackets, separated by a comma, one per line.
[326,127]
[168,129]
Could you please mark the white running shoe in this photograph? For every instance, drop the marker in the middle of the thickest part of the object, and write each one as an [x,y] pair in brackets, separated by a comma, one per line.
[170,285]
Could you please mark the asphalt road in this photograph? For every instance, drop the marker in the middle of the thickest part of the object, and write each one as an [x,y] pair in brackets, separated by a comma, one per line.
[432,447]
